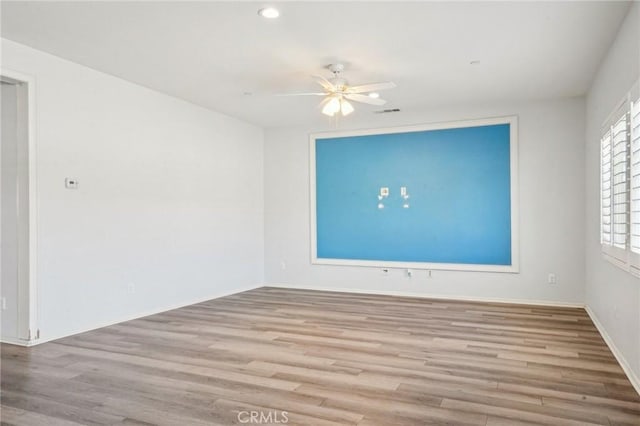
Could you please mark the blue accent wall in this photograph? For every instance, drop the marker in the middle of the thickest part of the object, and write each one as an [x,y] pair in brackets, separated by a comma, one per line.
[458,181]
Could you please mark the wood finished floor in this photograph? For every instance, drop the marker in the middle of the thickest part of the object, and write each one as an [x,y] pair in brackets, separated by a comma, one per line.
[326,359]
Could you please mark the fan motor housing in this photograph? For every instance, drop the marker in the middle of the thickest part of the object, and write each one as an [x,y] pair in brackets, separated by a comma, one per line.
[339,83]
[336,68]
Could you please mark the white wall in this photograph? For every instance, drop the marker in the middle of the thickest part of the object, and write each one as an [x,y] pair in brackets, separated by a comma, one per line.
[170,197]
[551,136]
[611,294]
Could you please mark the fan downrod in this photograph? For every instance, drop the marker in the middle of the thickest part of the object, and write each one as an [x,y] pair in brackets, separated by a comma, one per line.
[339,82]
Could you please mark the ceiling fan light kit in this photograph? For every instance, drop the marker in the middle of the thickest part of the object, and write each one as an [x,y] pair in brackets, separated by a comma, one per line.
[331,107]
[337,104]
[338,92]
[345,107]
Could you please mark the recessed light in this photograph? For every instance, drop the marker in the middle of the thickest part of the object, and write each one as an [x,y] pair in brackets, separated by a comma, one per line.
[374,95]
[269,12]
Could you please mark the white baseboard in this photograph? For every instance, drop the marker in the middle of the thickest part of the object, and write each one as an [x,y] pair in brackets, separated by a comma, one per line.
[633,378]
[433,296]
[45,339]
[16,341]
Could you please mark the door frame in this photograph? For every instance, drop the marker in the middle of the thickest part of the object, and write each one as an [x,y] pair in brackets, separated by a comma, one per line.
[28,331]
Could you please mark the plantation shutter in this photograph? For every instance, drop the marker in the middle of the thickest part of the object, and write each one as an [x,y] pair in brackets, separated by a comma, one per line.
[615,185]
[619,184]
[606,228]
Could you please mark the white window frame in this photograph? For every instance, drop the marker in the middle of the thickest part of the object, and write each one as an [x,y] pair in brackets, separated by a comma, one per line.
[621,257]
[634,134]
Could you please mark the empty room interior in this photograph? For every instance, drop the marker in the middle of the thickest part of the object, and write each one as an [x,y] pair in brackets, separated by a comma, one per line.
[320,213]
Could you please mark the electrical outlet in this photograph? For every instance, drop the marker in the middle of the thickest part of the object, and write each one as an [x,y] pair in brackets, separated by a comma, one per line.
[131,288]
[283,265]
[551,279]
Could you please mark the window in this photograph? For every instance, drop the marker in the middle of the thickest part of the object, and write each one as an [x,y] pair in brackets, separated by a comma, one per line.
[620,184]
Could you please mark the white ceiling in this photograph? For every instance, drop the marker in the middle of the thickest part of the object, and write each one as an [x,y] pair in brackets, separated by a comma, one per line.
[211,53]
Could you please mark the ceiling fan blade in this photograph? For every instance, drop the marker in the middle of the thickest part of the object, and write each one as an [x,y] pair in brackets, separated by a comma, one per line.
[372,87]
[303,94]
[325,83]
[365,99]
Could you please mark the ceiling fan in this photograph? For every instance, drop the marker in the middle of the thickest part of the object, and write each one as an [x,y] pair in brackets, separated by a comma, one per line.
[338,92]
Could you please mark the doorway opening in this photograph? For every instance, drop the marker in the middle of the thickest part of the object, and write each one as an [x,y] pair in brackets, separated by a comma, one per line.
[17,212]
